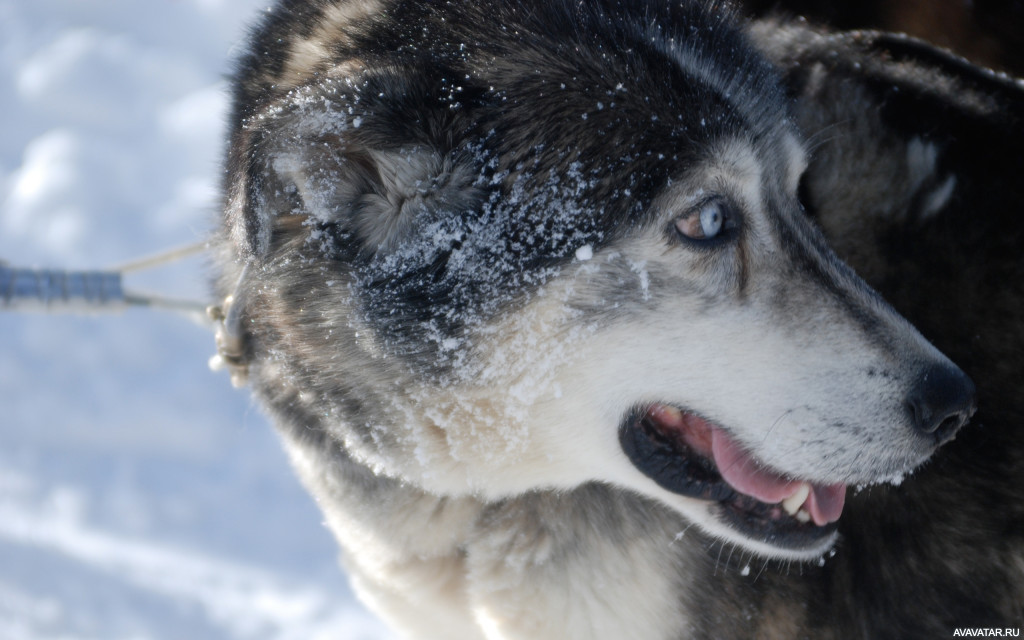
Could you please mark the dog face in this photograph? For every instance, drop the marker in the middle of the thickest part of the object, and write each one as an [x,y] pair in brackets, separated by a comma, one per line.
[565,246]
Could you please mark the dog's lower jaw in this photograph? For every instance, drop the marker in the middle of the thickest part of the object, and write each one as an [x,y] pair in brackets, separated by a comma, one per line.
[709,516]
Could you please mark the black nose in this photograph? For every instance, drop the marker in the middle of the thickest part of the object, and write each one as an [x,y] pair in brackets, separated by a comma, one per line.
[941,402]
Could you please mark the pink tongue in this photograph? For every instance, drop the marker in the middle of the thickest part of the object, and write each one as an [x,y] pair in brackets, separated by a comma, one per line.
[825,504]
[743,473]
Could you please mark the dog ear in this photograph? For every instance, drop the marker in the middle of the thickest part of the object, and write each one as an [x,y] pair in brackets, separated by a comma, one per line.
[897,127]
[900,131]
[339,155]
[915,153]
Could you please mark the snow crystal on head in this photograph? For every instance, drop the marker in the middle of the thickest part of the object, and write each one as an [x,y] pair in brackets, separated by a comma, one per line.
[295,160]
[457,269]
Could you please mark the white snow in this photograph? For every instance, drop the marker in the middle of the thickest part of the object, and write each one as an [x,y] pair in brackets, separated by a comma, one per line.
[140,495]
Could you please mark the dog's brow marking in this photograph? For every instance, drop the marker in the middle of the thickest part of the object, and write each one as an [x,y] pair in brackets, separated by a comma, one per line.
[738,169]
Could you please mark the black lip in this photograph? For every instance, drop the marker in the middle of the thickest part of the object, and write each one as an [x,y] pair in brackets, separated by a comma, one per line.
[675,467]
[670,463]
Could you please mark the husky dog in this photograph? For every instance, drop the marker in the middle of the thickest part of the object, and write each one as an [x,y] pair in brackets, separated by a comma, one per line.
[529,292]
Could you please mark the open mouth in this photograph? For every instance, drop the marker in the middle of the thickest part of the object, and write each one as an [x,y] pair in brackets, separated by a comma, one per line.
[690,456]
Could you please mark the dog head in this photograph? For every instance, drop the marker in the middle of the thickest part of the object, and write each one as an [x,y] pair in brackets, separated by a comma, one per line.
[534,245]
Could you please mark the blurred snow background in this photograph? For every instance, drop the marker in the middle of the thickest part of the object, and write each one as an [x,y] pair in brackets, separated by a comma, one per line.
[140,495]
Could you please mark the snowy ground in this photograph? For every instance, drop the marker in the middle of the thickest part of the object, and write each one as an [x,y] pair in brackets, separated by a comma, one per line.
[140,495]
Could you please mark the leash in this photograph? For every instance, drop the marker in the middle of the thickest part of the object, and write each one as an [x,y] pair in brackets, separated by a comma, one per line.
[59,291]
[92,291]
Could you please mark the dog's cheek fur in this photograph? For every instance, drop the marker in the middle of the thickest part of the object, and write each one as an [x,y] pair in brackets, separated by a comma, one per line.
[423,550]
[457,438]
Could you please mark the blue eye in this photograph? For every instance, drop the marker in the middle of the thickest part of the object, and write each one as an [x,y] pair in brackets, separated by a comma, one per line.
[704,223]
[712,218]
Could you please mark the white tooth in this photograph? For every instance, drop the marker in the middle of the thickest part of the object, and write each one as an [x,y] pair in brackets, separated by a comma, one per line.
[675,414]
[793,503]
[803,516]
